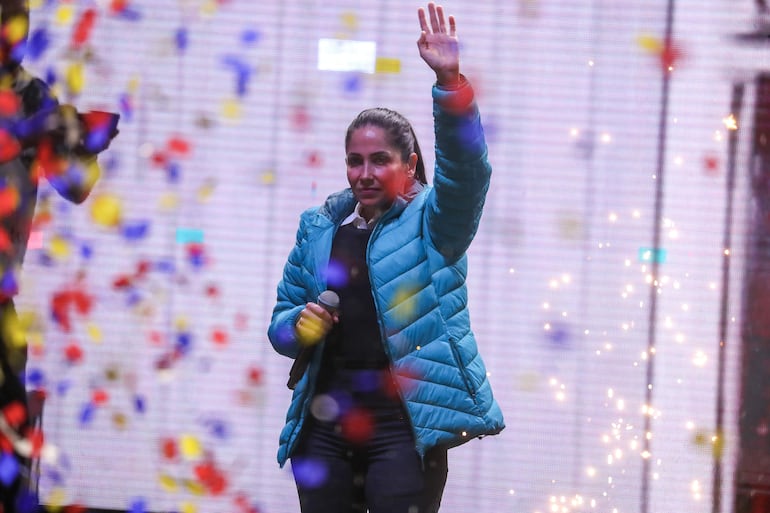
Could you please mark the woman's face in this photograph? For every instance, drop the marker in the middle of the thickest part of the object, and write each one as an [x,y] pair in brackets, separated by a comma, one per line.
[376,171]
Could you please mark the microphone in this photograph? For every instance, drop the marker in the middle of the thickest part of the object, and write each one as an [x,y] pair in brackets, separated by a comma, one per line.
[329,301]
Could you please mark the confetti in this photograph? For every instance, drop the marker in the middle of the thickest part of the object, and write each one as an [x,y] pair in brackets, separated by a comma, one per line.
[84,28]
[107,210]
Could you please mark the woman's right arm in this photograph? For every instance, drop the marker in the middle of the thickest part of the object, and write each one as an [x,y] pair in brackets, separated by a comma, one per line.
[291,300]
[297,321]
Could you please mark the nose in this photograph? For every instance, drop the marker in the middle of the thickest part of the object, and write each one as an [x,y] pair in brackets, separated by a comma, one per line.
[367,171]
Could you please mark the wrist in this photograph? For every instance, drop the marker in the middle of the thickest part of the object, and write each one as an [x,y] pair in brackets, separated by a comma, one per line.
[448,79]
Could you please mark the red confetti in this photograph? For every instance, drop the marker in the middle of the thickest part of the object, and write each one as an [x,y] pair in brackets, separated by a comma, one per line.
[9,103]
[36,438]
[73,353]
[357,426]
[219,337]
[15,414]
[159,159]
[156,338]
[212,291]
[64,301]
[123,281]
[169,448]
[5,240]
[711,165]
[314,159]
[9,200]
[100,397]
[255,375]
[670,55]
[9,146]
[179,146]
[211,478]
[83,28]
[241,321]
[118,6]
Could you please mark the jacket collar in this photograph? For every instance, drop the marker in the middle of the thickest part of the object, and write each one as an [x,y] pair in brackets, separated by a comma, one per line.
[341,204]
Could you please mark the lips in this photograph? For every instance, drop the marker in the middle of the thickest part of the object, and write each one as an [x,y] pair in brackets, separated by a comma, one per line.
[368,193]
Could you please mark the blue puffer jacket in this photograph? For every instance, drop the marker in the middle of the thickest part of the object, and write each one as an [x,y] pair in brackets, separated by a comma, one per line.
[417,266]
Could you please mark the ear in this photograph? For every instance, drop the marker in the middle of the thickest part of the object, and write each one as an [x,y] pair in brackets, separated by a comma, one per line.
[412,165]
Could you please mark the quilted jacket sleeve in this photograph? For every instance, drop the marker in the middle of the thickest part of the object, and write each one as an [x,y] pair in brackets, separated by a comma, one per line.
[291,299]
[462,172]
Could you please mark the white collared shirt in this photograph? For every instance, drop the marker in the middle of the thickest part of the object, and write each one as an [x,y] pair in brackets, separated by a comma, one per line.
[358,220]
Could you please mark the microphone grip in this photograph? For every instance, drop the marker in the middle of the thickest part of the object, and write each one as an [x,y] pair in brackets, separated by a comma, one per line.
[330,301]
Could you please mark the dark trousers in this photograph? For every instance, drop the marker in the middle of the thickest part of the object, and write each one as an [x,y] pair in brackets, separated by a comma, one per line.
[13,394]
[364,459]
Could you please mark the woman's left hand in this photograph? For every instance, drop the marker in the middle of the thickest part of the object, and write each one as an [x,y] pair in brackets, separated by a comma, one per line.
[438,44]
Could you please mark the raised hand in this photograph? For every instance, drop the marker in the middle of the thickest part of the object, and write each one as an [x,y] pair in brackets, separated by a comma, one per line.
[438,44]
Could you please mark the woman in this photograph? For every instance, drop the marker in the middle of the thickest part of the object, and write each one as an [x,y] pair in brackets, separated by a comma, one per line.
[394,376]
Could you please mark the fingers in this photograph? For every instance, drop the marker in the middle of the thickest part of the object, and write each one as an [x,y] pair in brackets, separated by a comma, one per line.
[438,23]
[423,21]
[434,23]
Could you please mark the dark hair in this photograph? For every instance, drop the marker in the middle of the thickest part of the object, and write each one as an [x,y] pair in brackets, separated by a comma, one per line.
[398,130]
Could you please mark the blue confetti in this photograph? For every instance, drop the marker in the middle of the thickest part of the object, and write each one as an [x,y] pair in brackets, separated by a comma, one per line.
[87,413]
[135,230]
[182,39]
[86,250]
[38,43]
[9,468]
[140,404]
[62,387]
[173,171]
[137,506]
[352,83]
[130,14]
[309,472]
[35,378]
[166,266]
[183,342]
[8,284]
[652,255]
[250,37]
[189,235]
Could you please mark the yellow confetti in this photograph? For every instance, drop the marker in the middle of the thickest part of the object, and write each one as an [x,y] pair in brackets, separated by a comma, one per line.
[187,507]
[35,4]
[168,483]
[14,330]
[194,487]
[95,333]
[404,303]
[231,109]
[649,43]
[59,247]
[349,20]
[209,8]
[119,420]
[64,14]
[31,325]
[106,210]
[75,78]
[133,85]
[16,29]
[268,177]
[56,499]
[190,447]
[387,65]
[168,201]
[206,190]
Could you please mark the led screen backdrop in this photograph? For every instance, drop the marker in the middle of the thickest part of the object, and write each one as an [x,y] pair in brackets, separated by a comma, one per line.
[163,393]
